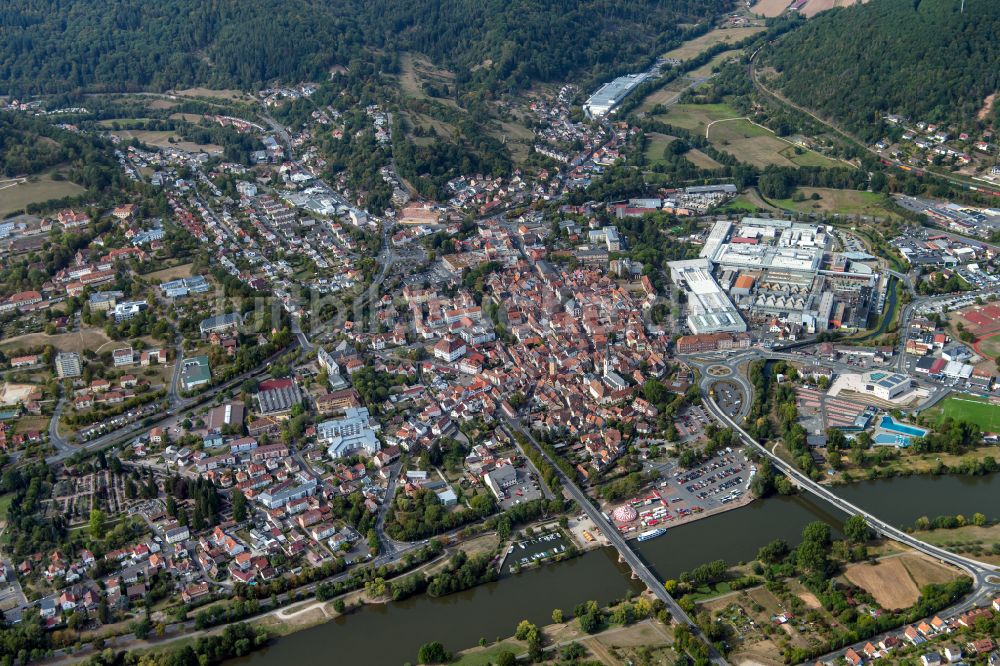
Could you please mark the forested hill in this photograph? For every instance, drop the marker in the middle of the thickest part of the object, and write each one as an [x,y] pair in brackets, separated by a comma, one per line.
[63,45]
[917,58]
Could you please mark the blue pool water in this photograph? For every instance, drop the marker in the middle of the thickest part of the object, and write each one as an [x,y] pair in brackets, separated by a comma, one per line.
[886,439]
[888,423]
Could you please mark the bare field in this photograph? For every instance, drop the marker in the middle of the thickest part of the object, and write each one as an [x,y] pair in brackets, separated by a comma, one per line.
[814,7]
[161,104]
[770,8]
[167,274]
[88,338]
[895,582]
[11,394]
[718,36]
[16,193]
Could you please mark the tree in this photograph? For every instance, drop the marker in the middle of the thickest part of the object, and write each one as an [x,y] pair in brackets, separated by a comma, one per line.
[525,630]
[506,658]
[97,523]
[978,519]
[433,653]
[557,616]
[589,622]
[239,506]
[857,530]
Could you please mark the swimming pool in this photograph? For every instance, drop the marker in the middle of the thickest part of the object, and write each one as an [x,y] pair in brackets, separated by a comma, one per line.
[887,439]
[890,424]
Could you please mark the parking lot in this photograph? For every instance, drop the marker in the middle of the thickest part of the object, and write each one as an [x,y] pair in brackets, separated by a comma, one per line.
[683,494]
[525,490]
[728,397]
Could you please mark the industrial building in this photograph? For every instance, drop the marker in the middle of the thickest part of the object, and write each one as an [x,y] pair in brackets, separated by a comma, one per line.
[610,95]
[709,308]
[779,271]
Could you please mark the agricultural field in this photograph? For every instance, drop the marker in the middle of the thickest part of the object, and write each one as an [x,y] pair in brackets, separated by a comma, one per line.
[895,582]
[16,193]
[770,8]
[698,45]
[843,202]
[88,338]
[518,138]
[963,407]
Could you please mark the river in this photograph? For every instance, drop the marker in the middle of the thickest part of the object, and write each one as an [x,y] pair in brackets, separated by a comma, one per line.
[460,620]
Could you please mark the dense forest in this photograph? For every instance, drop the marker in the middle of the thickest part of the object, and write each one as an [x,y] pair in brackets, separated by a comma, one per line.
[60,45]
[922,59]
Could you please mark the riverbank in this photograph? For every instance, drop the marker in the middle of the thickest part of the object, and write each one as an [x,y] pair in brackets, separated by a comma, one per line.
[460,620]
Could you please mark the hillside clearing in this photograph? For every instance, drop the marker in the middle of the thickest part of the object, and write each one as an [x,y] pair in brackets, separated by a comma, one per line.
[701,44]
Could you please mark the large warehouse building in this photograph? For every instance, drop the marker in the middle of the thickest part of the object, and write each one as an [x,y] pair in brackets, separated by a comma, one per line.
[709,309]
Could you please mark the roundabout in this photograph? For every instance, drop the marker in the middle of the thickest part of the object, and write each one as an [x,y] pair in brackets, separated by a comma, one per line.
[719,370]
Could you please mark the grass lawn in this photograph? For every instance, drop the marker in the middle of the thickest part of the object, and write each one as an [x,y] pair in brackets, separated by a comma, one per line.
[716,61]
[741,138]
[479,656]
[700,159]
[741,204]
[695,117]
[664,95]
[990,346]
[5,501]
[655,145]
[168,274]
[843,202]
[963,407]
[966,539]
[17,193]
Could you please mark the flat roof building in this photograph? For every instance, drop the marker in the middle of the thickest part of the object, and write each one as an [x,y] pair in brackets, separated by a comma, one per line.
[610,95]
[709,308]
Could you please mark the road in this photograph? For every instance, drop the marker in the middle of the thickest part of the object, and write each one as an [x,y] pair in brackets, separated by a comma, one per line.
[117,436]
[978,570]
[616,540]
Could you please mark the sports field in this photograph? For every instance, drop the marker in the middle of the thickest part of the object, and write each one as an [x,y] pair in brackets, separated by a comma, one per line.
[963,407]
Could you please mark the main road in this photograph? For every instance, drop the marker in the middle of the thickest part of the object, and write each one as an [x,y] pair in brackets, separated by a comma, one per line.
[982,573]
[619,543]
